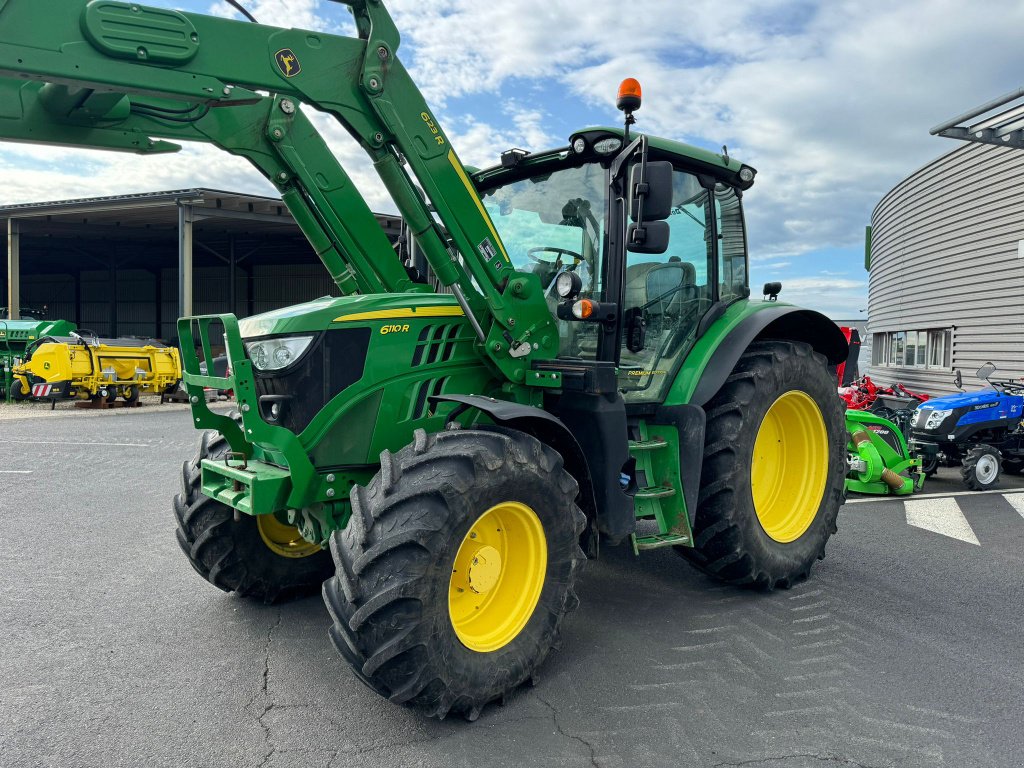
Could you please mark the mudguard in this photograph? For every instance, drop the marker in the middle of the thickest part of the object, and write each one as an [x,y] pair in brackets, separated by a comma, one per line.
[552,431]
[782,323]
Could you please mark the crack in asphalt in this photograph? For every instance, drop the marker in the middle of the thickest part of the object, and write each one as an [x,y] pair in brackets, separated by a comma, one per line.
[822,758]
[567,735]
[267,706]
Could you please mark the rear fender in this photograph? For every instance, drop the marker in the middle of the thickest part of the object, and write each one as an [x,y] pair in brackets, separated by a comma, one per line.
[782,323]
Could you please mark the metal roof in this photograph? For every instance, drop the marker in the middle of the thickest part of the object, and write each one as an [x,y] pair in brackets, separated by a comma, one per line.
[999,122]
[149,215]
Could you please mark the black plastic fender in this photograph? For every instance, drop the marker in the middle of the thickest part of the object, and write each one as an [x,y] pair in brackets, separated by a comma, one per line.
[779,323]
[550,430]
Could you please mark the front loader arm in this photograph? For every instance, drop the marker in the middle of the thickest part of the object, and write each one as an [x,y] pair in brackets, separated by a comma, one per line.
[110,47]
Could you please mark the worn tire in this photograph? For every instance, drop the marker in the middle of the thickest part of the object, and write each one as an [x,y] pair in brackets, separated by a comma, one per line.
[729,540]
[395,561]
[977,469]
[233,555]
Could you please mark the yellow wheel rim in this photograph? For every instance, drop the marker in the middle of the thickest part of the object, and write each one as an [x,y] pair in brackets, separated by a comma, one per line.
[789,466]
[284,540]
[497,576]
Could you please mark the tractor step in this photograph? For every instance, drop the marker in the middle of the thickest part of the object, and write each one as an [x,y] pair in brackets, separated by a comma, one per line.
[655,492]
[653,444]
[659,540]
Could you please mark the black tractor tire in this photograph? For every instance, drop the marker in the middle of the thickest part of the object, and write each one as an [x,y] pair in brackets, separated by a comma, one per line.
[17,390]
[730,542]
[131,394]
[980,467]
[232,555]
[396,563]
[1013,466]
[929,467]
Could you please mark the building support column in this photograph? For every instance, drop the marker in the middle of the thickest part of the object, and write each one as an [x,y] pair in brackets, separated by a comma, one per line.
[232,275]
[184,260]
[158,302]
[112,287]
[77,276]
[13,269]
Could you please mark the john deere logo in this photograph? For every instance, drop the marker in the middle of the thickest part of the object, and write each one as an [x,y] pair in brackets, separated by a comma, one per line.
[288,62]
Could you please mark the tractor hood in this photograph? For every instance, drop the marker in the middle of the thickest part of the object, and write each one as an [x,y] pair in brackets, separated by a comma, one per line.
[961,400]
[328,312]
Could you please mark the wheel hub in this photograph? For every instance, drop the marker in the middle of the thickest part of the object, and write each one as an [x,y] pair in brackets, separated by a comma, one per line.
[497,576]
[484,570]
[789,466]
[284,540]
[986,468]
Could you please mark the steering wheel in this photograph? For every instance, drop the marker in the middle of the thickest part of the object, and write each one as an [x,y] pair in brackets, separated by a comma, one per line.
[559,253]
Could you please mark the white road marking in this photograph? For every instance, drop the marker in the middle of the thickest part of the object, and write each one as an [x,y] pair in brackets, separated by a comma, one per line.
[15,471]
[60,442]
[881,499]
[940,516]
[1015,500]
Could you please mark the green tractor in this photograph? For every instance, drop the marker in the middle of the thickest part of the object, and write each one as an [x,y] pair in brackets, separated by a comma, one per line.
[567,358]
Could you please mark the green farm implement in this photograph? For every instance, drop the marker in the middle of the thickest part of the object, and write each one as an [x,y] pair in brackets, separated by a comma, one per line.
[567,358]
[16,336]
[880,461]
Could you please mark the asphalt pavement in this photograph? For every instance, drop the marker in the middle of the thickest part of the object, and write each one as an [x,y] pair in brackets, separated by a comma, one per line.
[903,649]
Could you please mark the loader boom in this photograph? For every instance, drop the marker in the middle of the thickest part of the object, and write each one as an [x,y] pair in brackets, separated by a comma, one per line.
[117,75]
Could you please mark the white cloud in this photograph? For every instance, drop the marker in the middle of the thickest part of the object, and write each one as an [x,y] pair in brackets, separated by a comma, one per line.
[301,14]
[831,101]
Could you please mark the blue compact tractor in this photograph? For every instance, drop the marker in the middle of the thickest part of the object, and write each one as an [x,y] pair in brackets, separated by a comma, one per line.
[979,431]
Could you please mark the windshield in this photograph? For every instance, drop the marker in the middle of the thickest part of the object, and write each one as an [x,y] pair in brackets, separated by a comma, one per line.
[554,222]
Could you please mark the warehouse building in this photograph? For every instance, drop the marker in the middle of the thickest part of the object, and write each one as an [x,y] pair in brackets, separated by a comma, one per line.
[946,271]
[131,265]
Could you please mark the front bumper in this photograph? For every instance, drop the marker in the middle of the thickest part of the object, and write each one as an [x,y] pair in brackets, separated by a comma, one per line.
[268,469]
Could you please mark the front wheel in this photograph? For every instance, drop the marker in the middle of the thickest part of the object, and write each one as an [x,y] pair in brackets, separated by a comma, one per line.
[980,470]
[18,390]
[773,470]
[456,569]
[258,557]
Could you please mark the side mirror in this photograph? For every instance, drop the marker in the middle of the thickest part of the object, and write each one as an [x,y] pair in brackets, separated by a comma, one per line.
[649,237]
[985,371]
[650,191]
[958,380]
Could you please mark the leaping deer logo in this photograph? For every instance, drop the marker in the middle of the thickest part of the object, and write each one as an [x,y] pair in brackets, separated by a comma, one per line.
[288,62]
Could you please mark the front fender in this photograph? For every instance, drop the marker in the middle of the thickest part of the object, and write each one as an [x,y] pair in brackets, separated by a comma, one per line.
[550,430]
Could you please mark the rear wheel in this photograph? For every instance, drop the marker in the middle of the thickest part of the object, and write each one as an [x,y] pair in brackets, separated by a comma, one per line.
[258,556]
[456,569]
[773,470]
[1013,466]
[980,467]
[131,394]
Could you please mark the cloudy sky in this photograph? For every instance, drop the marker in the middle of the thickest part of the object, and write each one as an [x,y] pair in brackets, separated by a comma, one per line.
[830,101]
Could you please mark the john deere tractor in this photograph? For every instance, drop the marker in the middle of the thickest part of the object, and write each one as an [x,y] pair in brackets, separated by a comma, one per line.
[569,357]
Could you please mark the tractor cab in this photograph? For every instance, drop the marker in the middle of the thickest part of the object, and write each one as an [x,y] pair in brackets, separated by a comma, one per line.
[575,216]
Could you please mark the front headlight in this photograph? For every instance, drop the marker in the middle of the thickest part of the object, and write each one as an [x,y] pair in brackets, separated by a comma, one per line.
[916,418]
[935,418]
[275,354]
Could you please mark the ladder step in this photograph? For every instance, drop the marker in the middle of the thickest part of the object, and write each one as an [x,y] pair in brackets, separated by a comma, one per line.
[659,540]
[647,445]
[655,492]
